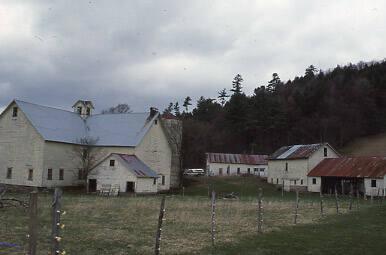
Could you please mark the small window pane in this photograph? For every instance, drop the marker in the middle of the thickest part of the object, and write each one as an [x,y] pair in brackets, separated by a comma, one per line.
[9,173]
[373,183]
[313,180]
[61,174]
[325,152]
[154,181]
[163,180]
[112,162]
[14,112]
[49,174]
[30,174]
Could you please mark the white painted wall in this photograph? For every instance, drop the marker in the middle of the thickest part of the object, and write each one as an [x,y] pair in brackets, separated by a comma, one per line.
[374,191]
[21,147]
[120,175]
[214,169]
[314,187]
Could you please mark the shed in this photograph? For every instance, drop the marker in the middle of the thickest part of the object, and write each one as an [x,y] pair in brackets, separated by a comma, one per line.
[123,170]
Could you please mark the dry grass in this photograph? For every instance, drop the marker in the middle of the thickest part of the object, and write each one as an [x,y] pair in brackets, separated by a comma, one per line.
[126,225]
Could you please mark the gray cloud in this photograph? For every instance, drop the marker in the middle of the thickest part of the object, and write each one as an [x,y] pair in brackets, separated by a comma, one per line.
[152,52]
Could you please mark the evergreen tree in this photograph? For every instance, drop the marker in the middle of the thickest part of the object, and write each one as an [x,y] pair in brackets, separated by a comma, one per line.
[310,71]
[274,83]
[187,102]
[222,95]
[176,108]
[169,109]
[236,84]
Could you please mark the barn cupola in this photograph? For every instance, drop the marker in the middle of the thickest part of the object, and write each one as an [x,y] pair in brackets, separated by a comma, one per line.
[83,108]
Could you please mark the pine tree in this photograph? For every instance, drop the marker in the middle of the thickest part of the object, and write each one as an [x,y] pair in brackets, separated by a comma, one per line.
[169,109]
[187,102]
[222,95]
[310,71]
[236,84]
[273,84]
[176,108]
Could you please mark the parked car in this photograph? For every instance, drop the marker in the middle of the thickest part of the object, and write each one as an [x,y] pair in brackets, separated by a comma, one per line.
[194,172]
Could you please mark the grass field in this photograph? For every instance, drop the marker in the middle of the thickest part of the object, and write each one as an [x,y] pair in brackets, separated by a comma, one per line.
[127,225]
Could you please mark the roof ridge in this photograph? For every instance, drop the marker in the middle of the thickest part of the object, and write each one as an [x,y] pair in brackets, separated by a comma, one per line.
[45,106]
[126,113]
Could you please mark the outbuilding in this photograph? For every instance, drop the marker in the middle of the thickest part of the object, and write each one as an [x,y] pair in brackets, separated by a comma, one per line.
[125,171]
[224,164]
[363,175]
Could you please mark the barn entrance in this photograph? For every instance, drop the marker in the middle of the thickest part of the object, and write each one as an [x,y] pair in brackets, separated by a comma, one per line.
[92,185]
[130,187]
[343,185]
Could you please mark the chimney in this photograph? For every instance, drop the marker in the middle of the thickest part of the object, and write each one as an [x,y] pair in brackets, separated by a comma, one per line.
[153,112]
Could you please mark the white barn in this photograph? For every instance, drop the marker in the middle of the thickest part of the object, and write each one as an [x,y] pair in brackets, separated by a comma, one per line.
[289,165]
[363,175]
[223,164]
[37,143]
[126,171]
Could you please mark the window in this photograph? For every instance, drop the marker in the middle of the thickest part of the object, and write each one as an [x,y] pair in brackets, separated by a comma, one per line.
[325,152]
[255,169]
[163,179]
[277,181]
[49,174]
[373,183]
[261,169]
[154,181]
[286,166]
[301,182]
[228,170]
[88,112]
[313,180]
[30,174]
[79,109]
[61,174]
[112,162]
[238,170]
[249,171]
[9,173]
[220,171]
[14,112]
[295,182]
[155,122]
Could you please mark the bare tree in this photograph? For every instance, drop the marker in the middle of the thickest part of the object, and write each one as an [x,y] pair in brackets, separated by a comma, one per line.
[173,130]
[86,155]
[120,108]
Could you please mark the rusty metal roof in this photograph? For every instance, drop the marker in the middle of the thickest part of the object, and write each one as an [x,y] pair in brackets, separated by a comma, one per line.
[296,151]
[371,167]
[237,158]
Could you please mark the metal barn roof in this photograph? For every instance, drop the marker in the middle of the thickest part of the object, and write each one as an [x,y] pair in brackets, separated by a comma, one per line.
[58,125]
[372,167]
[237,158]
[136,166]
[296,151]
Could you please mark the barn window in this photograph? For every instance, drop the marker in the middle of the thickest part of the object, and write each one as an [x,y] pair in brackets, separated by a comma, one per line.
[88,111]
[228,170]
[255,169]
[295,182]
[163,180]
[313,180]
[277,181]
[49,174]
[238,170]
[301,182]
[155,122]
[325,152]
[261,169]
[286,166]
[61,174]
[154,181]
[30,174]
[112,162]
[249,170]
[373,183]
[9,173]
[79,109]
[14,112]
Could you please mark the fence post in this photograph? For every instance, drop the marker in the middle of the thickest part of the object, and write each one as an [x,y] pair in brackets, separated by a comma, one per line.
[33,223]
[282,189]
[351,196]
[260,212]
[358,197]
[183,191]
[213,212]
[56,212]
[321,203]
[296,207]
[336,201]
[159,229]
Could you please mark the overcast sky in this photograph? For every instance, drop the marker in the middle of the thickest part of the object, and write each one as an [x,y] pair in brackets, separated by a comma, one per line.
[148,53]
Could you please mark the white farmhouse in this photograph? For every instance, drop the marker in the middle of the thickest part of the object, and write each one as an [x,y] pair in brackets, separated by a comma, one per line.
[289,165]
[362,175]
[37,143]
[236,164]
[127,172]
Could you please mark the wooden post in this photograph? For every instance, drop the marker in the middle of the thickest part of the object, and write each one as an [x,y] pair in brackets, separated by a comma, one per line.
[159,229]
[33,223]
[358,197]
[351,196]
[282,189]
[183,191]
[296,207]
[260,212]
[336,200]
[321,204]
[56,207]
[213,212]
[342,183]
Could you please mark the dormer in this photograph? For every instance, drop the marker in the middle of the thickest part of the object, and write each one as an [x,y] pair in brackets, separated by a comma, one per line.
[83,108]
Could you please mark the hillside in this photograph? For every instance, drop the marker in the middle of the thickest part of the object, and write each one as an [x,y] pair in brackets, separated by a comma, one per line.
[367,146]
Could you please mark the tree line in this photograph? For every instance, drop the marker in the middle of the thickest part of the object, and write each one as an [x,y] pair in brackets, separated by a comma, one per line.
[334,106]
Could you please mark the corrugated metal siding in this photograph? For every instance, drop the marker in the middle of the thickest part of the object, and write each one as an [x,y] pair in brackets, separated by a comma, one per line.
[237,158]
[372,167]
[295,151]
